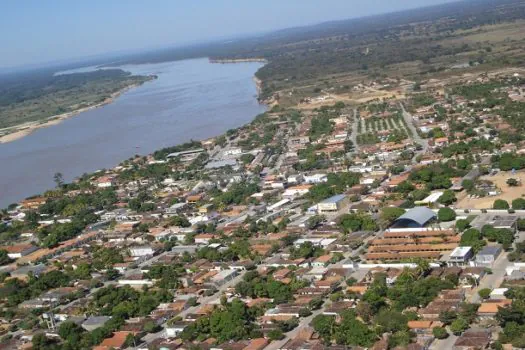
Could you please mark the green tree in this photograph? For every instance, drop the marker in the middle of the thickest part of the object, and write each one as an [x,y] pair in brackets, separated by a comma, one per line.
[4,257]
[518,203]
[458,326]
[439,333]
[484,293]
[500,204]
[462,224]
[58,178]
[275,334]
[447,198]
[390,214]
[315,221]
[446,214]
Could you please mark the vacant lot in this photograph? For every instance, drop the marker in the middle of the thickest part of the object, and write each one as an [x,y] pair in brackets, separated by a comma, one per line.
[507,193]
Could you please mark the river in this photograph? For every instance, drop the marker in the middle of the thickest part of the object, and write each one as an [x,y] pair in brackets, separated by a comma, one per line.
[191,99]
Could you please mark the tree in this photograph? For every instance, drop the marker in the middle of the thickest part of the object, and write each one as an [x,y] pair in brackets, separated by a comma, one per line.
[247,158]
[324,325]
[500,204]
[512,182]
[58,178]
[315,221]
[4,257]
[70,331]
[275,334]
[390,214]
[439,332]
[458,326]
[462,225]
[484,293]
[447,198]
[446,214]
[447,317]
[518,203]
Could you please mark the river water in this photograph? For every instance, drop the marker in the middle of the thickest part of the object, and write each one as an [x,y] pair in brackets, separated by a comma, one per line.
[191,99]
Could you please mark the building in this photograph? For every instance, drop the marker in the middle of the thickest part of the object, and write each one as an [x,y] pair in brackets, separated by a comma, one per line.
[487,256]
[460,256]
[315,178]
[141,251]
[415,217]
[499,221]
[332,204]
[19,250]
[95,322]
[473,339]
[223,277]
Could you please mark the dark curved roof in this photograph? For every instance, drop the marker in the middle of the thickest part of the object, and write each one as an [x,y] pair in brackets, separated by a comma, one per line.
[418,215]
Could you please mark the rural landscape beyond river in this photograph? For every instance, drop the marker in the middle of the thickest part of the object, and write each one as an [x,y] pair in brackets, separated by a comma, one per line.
[191,99]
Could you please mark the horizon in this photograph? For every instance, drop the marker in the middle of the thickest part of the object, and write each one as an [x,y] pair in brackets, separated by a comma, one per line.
[21,54]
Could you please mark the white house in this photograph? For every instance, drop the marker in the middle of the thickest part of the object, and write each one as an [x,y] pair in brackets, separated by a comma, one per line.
[140,251]
[315,178]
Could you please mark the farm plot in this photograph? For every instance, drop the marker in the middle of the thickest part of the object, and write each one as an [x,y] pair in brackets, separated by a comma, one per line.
[382,129]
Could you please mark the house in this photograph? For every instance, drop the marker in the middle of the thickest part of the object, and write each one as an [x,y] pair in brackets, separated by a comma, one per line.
[174,329]
[315,178]
[117,341]
[23,272]
[423,326]
[104,181]
[473,340]
[487,256]
[223,277]
[141,251]
[296,191]
[256,344]
[332,204]
[204,238]
[498,293]
[33,203]
[135,280]
[323,260]
[490,308]
[94,322]
[460,256]
[471,276]
[19,250]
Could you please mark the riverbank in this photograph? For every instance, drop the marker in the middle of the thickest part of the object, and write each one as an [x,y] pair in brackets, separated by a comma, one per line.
[19,131]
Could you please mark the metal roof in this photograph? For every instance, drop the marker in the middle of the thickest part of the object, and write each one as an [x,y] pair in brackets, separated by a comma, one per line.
[419,215]
[334,199]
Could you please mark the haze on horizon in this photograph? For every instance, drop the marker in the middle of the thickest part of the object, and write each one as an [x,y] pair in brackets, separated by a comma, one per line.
[45,31]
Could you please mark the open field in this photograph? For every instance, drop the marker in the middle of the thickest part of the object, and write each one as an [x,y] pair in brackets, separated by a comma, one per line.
[507,193]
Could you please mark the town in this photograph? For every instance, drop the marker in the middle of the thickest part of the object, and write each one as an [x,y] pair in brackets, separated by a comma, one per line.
[394,223]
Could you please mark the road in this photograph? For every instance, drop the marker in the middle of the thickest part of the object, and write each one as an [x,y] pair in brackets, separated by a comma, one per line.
[440,344]
[150,337]
[418,139]
[493,280]
[293,333]
[353,134]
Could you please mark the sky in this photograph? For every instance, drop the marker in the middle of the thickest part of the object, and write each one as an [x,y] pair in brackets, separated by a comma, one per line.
[36,31]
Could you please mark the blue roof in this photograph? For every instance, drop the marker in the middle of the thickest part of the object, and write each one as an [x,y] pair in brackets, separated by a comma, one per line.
[417,215]
[334,199]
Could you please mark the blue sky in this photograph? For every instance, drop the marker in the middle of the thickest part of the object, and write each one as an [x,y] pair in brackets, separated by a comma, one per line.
[38,31]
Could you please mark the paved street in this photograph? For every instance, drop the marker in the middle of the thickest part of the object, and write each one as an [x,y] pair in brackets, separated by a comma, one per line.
[494,280]
[293,333]
[441,344]
[150,337]
[410,123]
[353,135]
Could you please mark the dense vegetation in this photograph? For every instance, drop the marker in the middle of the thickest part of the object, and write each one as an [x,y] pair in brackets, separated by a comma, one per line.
[32,97]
